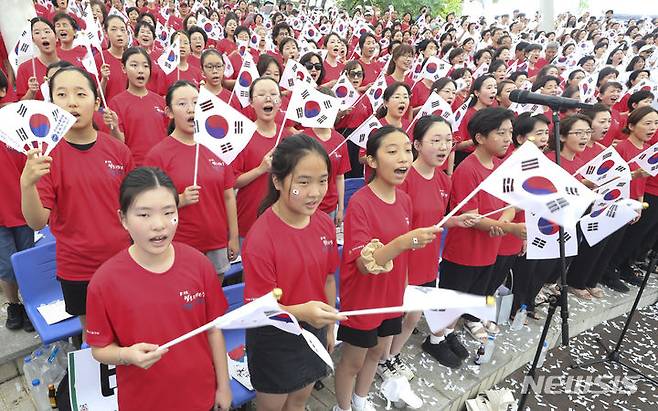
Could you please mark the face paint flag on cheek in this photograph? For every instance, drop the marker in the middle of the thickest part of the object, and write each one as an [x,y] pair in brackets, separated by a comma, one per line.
[34,124]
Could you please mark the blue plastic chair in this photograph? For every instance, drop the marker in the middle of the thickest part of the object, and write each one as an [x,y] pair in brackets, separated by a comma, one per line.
[35,274]
[351,186]
[234,338]
[236,268]
[47,238]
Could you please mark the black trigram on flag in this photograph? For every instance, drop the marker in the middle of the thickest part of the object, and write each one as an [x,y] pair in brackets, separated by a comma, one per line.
[571,190]
[612,211]
[300,112]
[529,164]
[305,94]
[22,110]
[567,237]
[435,104]
[362,137]
[327,104]
[25,47]
[620,168]
[590,170]
[539,243]
[607,155]
[322,119]
[167,64]
[592,226]
[244,93]
[206,105]
[226,147]
[557,204]
[22,134]
[508,185]
[291,82]
[238,127]
[56,114]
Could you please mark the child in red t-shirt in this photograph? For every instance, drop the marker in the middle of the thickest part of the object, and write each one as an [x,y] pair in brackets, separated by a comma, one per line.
[108,62]
[136,116]
[374,270]
[75,189]
[470,253]
[126,324]
[212,64]
[31,73]
[209,220]
[429,189]
[292,247]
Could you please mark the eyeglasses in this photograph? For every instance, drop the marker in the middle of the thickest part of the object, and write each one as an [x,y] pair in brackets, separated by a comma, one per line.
[581,133]
[213,67]
[355,74]
[311,66]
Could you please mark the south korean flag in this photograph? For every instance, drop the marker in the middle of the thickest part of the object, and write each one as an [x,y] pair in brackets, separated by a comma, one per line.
[34,124]
[293,73]
[606,166]
[312,108]
[247,75]
[345,92]
[375,93]
[606,217]
[434,69]
[543,239]
[437,106]
[212,29]
[221,128]
[529,180]
[648,160]
[23,50]
[170,57]
[361,134]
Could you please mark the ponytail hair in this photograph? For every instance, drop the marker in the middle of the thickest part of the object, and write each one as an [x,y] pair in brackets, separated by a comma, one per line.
[285,158]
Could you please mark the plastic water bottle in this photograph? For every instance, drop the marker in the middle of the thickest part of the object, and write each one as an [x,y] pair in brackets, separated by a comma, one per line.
[542,355]
[40,395]
[488,349]
[51,371]
[479,355]
[519,318]
[29,371]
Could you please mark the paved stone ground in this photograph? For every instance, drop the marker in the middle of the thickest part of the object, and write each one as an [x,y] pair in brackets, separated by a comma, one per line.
[14,395]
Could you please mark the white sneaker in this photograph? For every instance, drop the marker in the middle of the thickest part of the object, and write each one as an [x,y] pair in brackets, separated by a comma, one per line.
[402,368]
[368,406]
[386,370]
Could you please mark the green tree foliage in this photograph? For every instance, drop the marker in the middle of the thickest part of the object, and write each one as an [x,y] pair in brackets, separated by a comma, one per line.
[443,7]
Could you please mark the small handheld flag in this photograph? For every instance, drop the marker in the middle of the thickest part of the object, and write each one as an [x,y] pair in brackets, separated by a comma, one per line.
[170,58]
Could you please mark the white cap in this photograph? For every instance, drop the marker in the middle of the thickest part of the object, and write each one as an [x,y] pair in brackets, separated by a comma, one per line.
[646,47]
[398,389]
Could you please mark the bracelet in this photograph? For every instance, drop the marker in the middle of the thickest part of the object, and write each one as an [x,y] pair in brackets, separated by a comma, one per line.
[367,253]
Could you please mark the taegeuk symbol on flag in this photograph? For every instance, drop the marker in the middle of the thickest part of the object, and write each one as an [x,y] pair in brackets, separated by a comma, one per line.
[648,160]
[312,108]
[247,75]
[170,57]
[606,166]
[543,239]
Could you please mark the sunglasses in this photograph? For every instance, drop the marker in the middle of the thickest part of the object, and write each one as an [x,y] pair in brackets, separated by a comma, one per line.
[311,66]
[356,74]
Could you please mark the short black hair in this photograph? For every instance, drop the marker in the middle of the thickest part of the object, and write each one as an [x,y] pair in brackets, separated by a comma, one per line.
[488,119]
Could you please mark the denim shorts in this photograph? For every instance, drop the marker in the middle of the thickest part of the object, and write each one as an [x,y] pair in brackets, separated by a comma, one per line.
[12,240]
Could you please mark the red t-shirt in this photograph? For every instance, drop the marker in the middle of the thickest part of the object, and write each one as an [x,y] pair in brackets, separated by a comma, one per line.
[429,200]
[10,95]
[330,72]
[225,95]
[340,164]
[117,82]
[142,121]
[267,264]
[128,304]
[570,166]
[82,193]
[419,95]
[367,218]
[73,56]
[226,46]
[590,152]
[407,79]
[192,74]
[615,130]
[360,113]
[11,167]
[462,132]
[250,196]
[469,246]
[627,151]
[23,76]
[202,225]
[371,71]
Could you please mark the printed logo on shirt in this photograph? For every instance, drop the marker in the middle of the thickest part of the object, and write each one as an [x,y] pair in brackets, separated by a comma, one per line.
[327,242]
[192,298]
[406,220]
[115,170]
[443,194]
[216,164]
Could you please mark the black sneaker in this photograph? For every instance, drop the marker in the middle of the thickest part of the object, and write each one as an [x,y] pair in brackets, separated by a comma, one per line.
[456,346]
[27,324]
[442,353]
[630,278]
[15,312]
[615,284]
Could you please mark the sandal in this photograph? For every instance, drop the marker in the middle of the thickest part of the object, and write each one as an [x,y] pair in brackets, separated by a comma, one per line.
[476,330]
[596,292]
[534,315]
[492,328]
[582,294]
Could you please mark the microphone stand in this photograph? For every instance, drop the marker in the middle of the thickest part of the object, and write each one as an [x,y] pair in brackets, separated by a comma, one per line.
[554,302]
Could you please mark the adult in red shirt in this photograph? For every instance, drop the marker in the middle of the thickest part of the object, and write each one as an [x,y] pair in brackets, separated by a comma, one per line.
[32,73]
[126,324]
[400,64]
[252,165]
[108,62]
[483,95]
[185,70]
[334,145]
[289,225]
[227,45]
[137,115]
[642,125]
[75,190]
[371,66]
[209,220]
[65,28]
[375,264]
[429,189]
[470,253]
[212,64]
[609,94]
[332,67]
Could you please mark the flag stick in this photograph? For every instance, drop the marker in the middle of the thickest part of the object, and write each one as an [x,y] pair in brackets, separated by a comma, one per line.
[177,74]
[494,212]
[196,163]
[283,124]
[34,69]
[459,206]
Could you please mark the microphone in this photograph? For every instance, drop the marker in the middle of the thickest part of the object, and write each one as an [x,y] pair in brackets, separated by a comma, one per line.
[526,97]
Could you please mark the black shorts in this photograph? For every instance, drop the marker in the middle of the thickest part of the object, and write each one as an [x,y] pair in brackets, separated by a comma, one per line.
[368,338]
[467,279]
[431,284]
[75,296]
[282,363]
